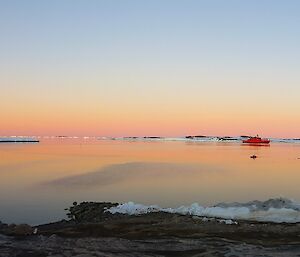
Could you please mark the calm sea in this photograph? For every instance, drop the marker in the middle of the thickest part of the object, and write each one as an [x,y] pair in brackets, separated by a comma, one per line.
[37,181]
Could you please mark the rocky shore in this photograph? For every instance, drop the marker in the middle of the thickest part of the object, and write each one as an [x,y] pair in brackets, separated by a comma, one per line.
[92,231]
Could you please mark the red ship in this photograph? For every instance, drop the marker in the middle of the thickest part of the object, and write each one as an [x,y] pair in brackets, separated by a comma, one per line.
[257,140]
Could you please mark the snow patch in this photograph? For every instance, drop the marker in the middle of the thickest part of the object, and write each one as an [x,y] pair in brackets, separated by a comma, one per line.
[277,210]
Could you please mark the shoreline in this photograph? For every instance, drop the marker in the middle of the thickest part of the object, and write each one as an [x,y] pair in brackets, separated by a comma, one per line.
[19,141]
[91,228]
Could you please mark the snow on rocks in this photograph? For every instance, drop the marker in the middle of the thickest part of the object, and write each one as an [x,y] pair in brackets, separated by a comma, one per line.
[277,210]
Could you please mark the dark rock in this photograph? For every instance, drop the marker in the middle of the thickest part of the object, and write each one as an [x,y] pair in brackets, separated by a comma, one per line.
[92,231]
[18,230]
[189,137]
[152,137]
[227,139]
[195,137]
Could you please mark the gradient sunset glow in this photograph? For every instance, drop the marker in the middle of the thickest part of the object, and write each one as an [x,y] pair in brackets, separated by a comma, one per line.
[135,68]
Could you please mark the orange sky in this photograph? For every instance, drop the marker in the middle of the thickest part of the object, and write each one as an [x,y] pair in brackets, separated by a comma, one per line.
[136,69]
[140,120]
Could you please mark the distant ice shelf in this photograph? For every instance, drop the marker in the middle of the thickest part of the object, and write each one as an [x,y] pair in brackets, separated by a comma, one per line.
[18,140]
[225,139]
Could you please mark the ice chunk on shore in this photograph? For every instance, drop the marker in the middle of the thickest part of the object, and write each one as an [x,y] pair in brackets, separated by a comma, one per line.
[273,210]
[132,208]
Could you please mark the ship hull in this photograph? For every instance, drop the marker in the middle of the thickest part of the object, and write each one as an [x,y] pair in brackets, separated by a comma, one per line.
[256,141]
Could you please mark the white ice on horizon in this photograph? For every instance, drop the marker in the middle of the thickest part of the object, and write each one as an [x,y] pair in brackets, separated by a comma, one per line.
[202,139]
[277,210]
[17,139]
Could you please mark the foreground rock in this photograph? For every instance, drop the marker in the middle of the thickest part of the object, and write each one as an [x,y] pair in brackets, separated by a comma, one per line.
[55,246]
[91,231]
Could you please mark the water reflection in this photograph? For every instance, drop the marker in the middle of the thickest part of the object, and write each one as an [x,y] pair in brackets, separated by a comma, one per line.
[38,181]
[136,170]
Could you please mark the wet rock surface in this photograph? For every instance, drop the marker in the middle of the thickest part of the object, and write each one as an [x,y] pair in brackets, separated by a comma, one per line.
[91,231]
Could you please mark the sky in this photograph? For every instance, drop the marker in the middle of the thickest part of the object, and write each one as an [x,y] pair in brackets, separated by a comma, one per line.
[159,67]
